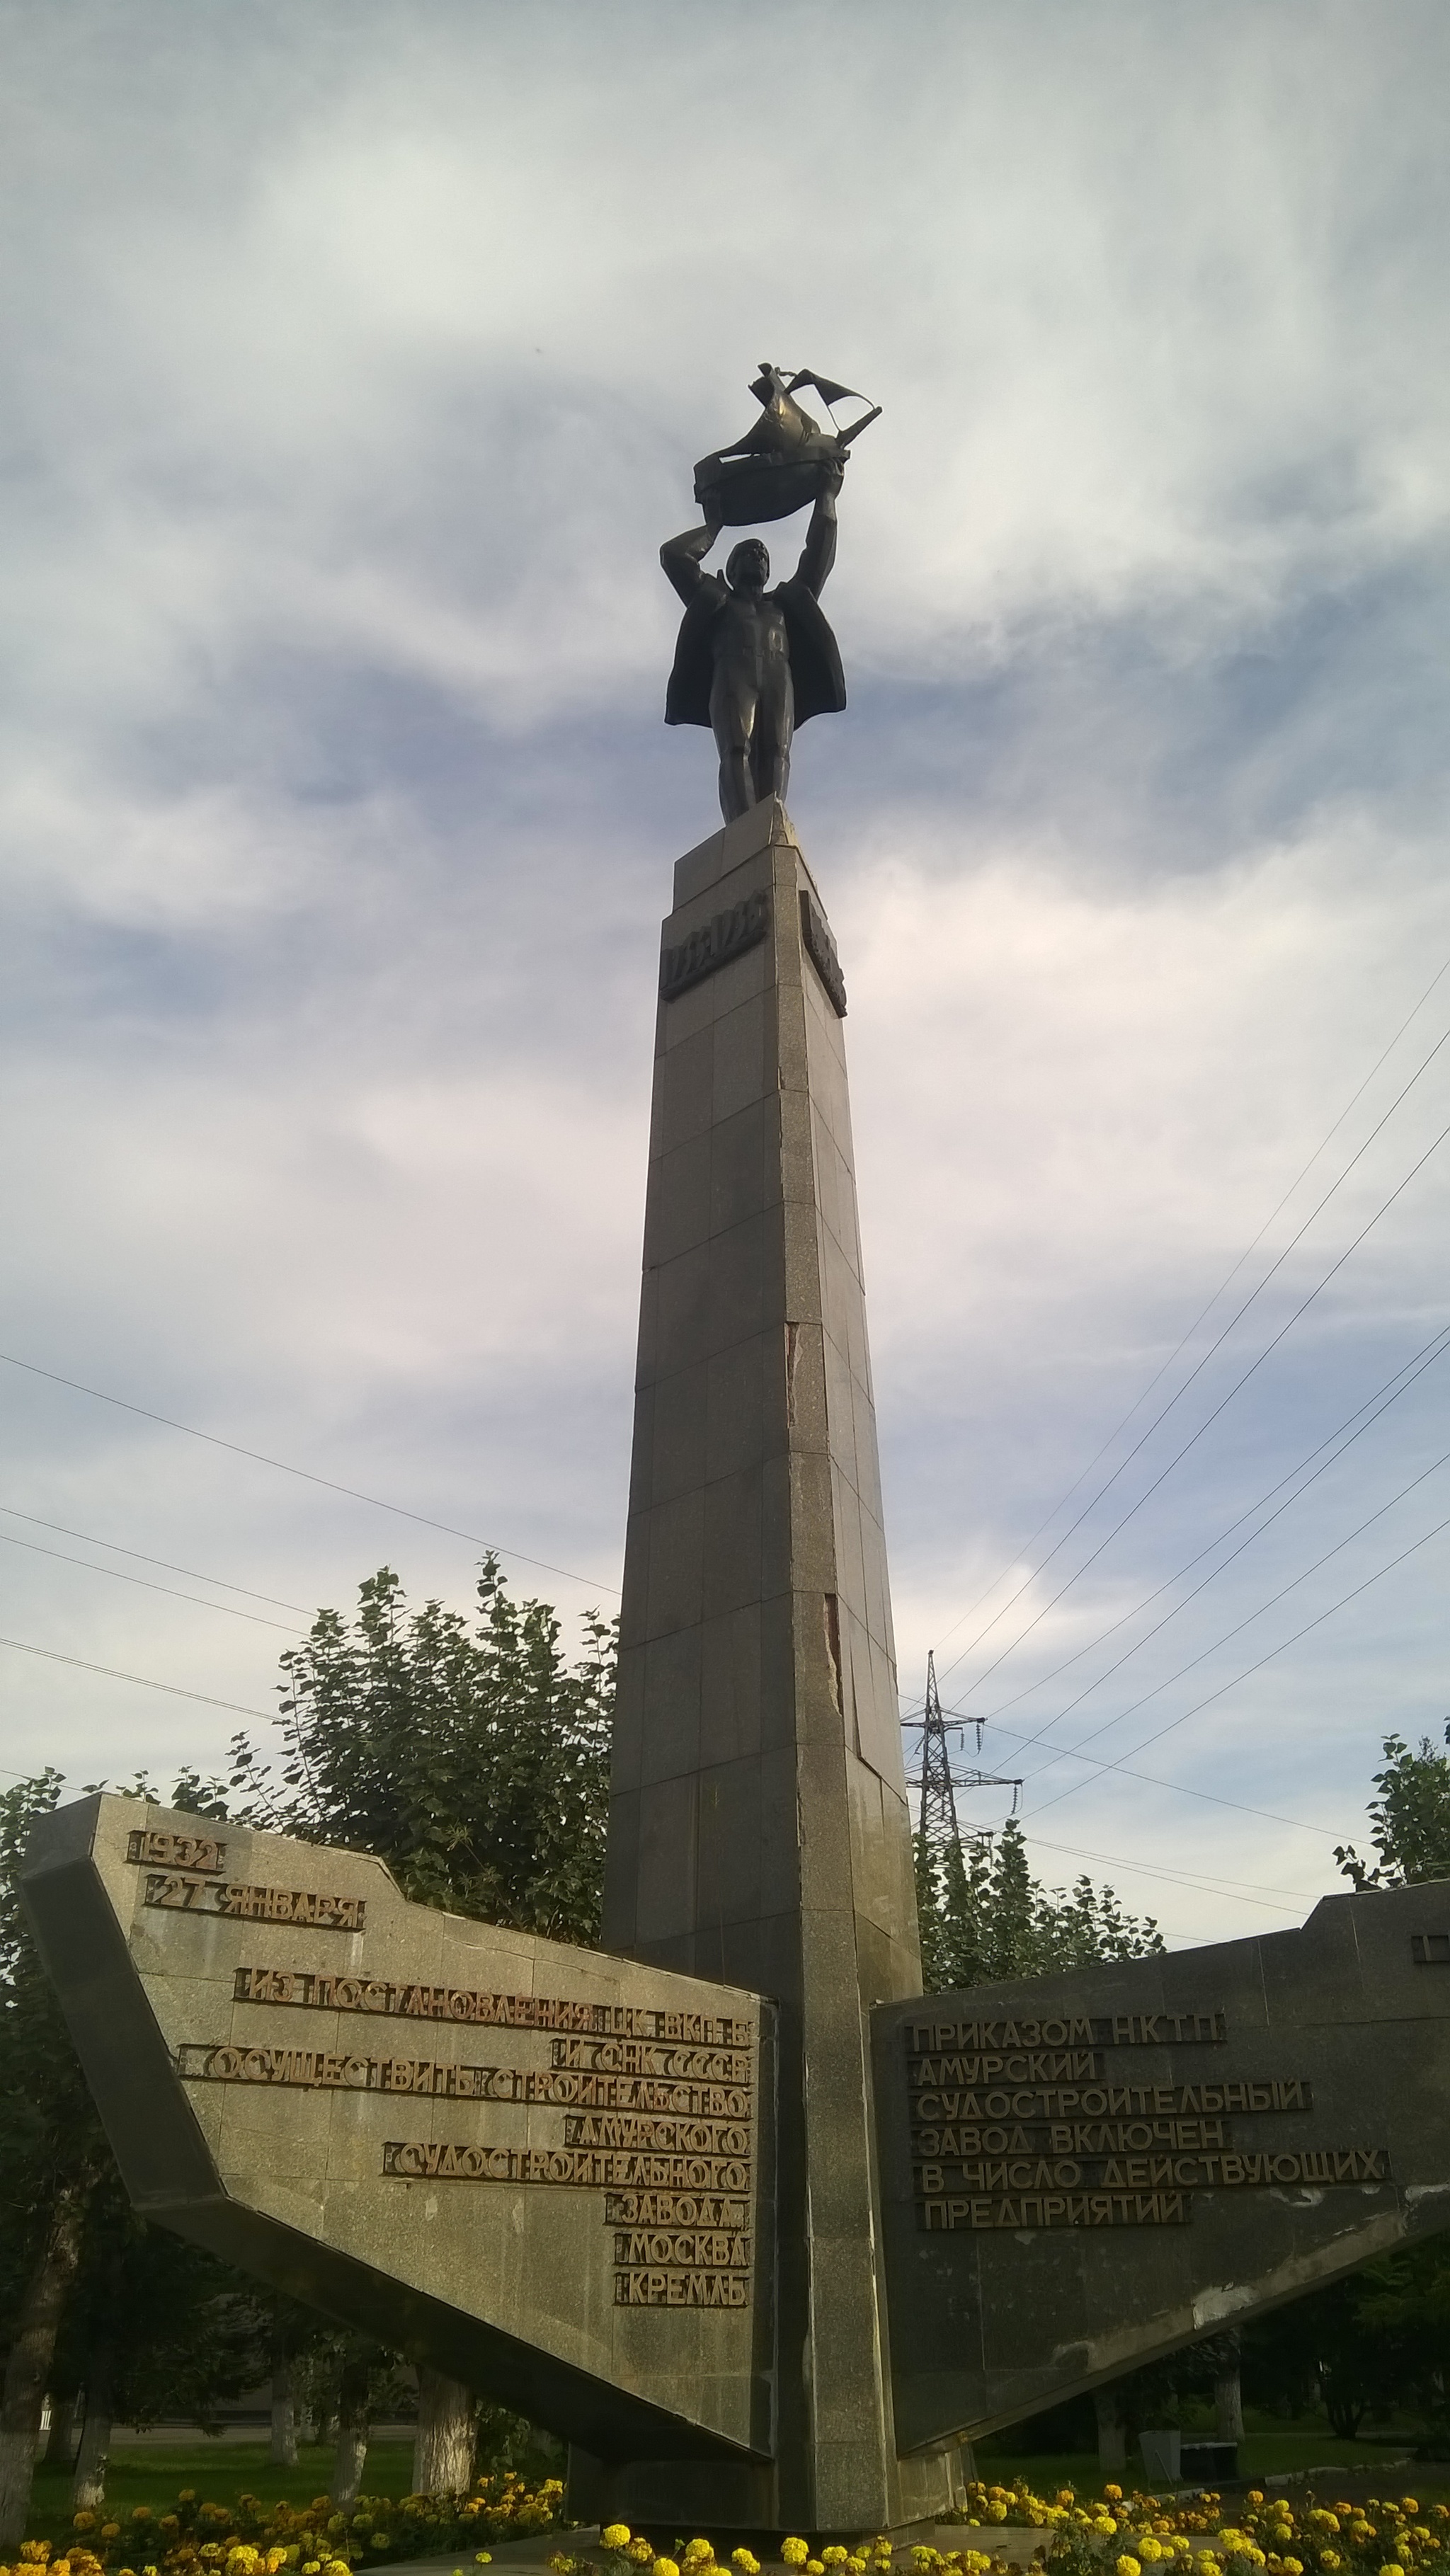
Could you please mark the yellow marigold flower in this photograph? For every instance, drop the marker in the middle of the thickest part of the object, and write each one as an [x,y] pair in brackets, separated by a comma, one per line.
[835,2556]
[744,2561]
[642,2552]
[666,2567]
[815,2567]
[1128,2566]
[1331,2559]
[1114,2494]
[340,2567]
[794,2553]
[1392,2567]
[616,2535]
[83,2521]
[483,2558]
[112,2531]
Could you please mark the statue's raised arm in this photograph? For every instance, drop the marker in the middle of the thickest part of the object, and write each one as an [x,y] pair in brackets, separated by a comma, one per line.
[683,559]
[819,551]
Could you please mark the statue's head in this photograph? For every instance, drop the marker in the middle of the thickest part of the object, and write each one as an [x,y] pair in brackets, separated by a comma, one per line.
[747,566]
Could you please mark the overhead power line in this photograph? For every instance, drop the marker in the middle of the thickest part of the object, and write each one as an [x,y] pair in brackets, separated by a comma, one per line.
[1206,1310]
[1436,1351]
[1237,1890]
[1179,1788]
[114,1548]
[116,1575]
[1257,1666]
[1248,1621]
[144,1681]
[1191,1442]
[284,1467]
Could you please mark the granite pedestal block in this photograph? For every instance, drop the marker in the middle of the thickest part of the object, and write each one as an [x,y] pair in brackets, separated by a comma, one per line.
[759,1829]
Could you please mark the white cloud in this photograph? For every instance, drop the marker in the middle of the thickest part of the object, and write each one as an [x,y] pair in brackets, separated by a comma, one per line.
[355,372]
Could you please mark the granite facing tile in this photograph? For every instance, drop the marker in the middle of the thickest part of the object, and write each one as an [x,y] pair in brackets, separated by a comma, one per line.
[677,1207]
[676,1564]
[684,1096]
[675,1433]
[736,1383]
[737,1177]
[730,1686]
[670,1706]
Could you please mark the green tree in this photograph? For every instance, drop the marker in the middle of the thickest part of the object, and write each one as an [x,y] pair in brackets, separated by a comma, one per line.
[153,2327]
[53,2154]
[473,1757]
[983,1916]
[1355,2347]
[1409,1819]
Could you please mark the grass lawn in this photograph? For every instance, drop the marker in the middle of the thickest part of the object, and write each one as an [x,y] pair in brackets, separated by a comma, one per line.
[1267,2450]
[220,2472]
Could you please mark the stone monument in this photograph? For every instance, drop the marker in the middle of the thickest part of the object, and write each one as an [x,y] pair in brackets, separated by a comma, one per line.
[761,2229]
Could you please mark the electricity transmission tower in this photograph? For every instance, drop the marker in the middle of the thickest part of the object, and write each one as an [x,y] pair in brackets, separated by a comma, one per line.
[938,1825]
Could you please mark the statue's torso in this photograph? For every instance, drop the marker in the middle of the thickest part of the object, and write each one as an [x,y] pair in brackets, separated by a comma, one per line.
[750,640]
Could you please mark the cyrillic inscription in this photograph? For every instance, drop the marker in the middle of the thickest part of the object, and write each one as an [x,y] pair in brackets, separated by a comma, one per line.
[324,1913]
[657,2111]
[1019,2117]
[1102,2030]
[693,2248]
[674,2209]
[820,947]
[1317,2165]
[432,2160]
[679,2290]
[1062,2209]
[714,944]
[329,1993]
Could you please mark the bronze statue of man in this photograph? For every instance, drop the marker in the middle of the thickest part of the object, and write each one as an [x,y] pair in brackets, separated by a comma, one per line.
[754,663]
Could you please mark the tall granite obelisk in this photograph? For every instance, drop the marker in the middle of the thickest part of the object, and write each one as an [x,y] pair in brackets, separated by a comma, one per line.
[759,1830]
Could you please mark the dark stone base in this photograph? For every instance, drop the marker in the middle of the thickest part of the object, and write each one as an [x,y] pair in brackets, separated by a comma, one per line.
[751,2501]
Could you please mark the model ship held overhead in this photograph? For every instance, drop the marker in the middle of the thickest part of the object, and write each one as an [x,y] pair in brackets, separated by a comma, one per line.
[752,663]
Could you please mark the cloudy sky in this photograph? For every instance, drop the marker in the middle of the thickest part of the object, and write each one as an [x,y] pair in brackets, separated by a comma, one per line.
[355,362]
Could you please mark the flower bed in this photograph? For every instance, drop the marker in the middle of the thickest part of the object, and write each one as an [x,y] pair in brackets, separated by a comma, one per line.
[250,2538]
[1108,2535]
[1389,2536]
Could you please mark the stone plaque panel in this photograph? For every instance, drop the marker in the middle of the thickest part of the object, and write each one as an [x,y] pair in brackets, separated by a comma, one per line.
[539,2166]
[1082,2172]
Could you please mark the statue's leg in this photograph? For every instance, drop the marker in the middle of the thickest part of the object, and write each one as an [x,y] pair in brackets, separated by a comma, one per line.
[774,728]
[732,716]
